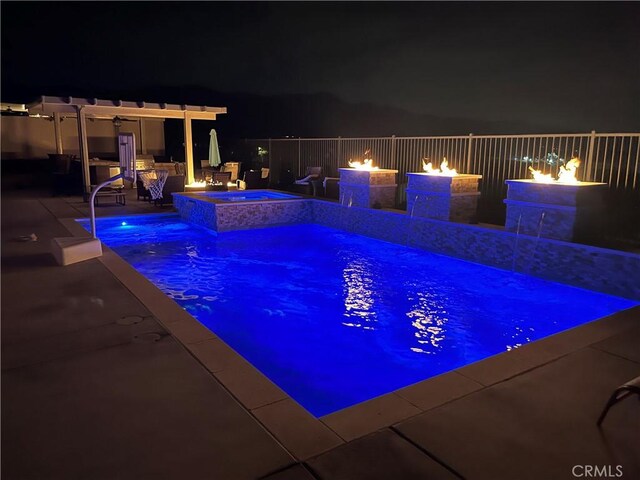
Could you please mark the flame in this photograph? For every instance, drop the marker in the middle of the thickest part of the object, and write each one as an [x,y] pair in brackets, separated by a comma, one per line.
[366,164]
[540,177]
[444,168]
[566,174]
[196,184]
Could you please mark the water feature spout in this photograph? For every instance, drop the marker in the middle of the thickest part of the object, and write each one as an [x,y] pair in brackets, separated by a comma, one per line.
[345,206]
[411,219]
[535,247]
[515,245]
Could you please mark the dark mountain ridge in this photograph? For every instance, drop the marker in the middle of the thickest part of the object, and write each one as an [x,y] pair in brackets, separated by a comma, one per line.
[296,115]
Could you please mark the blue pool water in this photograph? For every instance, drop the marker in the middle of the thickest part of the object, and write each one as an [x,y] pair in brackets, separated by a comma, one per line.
[335,318]
[246,196]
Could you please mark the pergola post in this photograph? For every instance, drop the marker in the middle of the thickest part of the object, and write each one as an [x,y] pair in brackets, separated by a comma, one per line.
[188,148]
[84,149]
[57,127]
[143,137]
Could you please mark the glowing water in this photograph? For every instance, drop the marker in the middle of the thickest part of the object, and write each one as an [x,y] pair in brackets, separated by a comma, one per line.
[335,318]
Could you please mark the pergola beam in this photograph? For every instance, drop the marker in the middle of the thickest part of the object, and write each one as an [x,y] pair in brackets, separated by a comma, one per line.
[94,107]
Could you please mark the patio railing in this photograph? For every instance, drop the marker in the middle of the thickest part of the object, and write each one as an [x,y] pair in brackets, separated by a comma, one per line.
[612,158]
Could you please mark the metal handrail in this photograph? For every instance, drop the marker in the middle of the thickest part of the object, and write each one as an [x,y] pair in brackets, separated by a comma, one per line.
[92,207]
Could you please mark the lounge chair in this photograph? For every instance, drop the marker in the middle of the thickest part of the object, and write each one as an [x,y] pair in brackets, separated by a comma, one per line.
[310,183]
[620,393]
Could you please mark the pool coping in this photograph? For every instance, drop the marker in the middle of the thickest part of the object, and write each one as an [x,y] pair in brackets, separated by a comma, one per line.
[201,196]
[306,436]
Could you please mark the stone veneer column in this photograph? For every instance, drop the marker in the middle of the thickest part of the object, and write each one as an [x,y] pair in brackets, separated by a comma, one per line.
[570,212]
[368,188]
[441,197]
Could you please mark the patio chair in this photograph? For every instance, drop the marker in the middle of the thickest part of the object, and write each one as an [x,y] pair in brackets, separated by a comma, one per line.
[620,393]
[254,179]
[308,184]
[331,187]
[206,170]
[220,180]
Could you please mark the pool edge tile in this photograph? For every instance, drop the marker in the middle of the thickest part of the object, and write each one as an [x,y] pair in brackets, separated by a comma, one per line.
[300,432]
[500,367]
[166,311]
[251,388]
[214,354]
[438,390]
[370,416]
[505,365]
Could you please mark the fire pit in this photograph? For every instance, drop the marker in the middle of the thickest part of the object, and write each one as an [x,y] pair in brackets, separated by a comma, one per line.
[563,208]
[363,185]
[443,194]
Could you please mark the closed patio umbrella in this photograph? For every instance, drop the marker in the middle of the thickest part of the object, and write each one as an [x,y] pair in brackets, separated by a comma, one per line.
[214,152]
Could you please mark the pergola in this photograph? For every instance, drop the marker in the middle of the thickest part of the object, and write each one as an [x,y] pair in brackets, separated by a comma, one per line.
[83,108]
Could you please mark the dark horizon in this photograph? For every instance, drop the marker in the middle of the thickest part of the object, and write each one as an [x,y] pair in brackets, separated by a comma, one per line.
[555,66]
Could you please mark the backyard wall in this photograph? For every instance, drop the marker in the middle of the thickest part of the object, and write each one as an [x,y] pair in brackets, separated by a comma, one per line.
[33,138]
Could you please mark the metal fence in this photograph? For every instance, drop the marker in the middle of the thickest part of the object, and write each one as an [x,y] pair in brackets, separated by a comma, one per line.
[611,158]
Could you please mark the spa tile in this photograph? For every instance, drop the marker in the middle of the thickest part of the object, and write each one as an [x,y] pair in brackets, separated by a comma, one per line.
[299,431]
[383,455]
[369,416]
[438,390]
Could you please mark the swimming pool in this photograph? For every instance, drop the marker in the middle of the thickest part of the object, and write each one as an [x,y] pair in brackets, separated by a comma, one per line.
[335,318]
[244,196]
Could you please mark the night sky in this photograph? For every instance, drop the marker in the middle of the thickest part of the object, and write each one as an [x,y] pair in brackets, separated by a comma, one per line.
[572,66]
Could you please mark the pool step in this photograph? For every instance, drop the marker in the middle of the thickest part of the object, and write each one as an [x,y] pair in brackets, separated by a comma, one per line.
[69,250]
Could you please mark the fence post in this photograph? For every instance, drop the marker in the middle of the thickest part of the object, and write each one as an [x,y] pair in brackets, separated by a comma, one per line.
[299,159]
[339,155]
[274,175]
[393,152]
[592,146]
[468,168]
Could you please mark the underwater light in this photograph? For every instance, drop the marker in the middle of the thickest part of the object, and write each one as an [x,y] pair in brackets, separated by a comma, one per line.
[123,224]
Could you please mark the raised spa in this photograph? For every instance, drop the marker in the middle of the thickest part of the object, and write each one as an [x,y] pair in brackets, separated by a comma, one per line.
[252,196]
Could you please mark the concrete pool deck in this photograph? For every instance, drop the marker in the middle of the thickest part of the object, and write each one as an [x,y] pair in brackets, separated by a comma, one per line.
[103,377]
